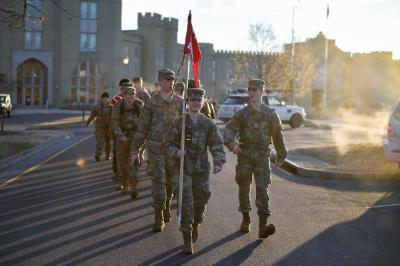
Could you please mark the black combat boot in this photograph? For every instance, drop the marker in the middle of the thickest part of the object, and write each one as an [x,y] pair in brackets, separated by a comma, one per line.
[245,226]
[187,243]
[264,229]
[158,220]
[167,211]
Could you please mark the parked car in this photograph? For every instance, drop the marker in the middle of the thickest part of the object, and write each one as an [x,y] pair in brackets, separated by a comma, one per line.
[392,141]
[6,105]
[290,114]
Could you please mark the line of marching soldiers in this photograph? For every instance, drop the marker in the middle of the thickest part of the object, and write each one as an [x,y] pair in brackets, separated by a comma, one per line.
[134,119]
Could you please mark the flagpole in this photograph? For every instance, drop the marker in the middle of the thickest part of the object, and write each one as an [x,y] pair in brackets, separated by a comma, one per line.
[182,160]
[326,59]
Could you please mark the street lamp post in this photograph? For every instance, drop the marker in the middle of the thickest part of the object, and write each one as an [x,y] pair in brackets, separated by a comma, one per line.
[292,55]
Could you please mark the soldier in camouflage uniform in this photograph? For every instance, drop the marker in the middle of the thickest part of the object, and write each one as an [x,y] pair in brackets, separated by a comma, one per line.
[102,113]
[124,123]
[200,133]
[157,116]
[144,96]
[255,125]
[115,100]
[179,88]
[208,107]
[141,92]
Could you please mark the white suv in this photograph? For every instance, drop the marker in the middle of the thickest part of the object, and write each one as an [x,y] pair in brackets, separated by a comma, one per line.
[392,141]
[5,105]
[293,115]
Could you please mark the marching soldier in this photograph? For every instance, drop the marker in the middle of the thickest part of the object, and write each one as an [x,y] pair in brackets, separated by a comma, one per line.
[157,116]
[102,113]
[201,132]
[255,125]
[116,99]
[208,107]
[144,96]
[124,122]
[179,88]
[141,92]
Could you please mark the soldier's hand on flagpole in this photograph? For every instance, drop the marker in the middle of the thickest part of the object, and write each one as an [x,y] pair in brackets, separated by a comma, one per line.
[216,169]
[236,149]
[180,153]
[134,158]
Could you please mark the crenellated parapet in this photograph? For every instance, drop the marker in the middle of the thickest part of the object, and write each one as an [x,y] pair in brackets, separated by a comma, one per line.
[245,53]
[154,19]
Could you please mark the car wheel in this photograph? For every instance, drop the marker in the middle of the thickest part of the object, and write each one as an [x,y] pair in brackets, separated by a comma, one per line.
[296,121]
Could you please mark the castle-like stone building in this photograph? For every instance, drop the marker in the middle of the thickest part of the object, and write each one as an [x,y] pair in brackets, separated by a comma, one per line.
[68,52]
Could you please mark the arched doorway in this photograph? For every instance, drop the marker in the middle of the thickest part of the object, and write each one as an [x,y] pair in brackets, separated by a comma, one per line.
[32,83]
[87,82]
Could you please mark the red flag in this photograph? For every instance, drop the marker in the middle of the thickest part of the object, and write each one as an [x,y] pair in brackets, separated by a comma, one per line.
[192,47]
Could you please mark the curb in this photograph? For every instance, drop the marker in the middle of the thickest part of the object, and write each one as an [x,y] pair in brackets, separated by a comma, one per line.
[296,169]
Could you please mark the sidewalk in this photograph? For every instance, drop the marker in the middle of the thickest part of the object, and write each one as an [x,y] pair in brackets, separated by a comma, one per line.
[28,110]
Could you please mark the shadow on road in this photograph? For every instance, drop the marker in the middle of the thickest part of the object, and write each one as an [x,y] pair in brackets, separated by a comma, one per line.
[64,203]
[371,239]
[179,258]
[241,255]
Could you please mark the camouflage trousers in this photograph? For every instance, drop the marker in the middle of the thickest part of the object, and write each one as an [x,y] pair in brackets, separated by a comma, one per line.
[195,196]
[102,136]
[254,163]
[128,173]
[161,169]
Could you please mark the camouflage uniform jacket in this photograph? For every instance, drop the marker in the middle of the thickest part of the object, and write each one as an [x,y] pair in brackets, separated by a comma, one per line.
[102,113]
[143,95]
[255,130]
[198,136]
[156,118]
[125,120]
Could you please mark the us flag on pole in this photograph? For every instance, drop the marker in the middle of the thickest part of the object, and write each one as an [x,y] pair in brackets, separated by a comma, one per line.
[192,47]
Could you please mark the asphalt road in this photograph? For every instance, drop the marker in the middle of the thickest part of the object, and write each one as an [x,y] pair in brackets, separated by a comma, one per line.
[67,212]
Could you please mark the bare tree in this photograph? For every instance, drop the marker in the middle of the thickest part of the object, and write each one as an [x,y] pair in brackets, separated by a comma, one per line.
[256,64]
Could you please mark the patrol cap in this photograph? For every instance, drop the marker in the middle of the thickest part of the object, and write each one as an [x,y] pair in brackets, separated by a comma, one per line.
[191,84]
[137,79]
[195,94]
[105,95]
[257,84]
[128,88]
[179,86]
[166,73]
[122,81]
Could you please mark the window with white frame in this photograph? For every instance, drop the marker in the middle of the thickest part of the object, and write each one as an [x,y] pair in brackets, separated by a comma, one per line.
[33,25]
[88,28]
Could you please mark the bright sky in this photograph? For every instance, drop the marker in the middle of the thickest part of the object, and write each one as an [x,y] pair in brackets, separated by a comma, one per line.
[356,25]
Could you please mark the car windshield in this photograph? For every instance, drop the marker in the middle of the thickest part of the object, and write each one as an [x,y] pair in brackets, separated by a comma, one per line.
[2,99]
[396,111]
[235,100]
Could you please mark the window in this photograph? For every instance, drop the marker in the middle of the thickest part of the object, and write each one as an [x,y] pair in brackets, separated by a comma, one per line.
[33,24]
[88,26]
[86,83]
